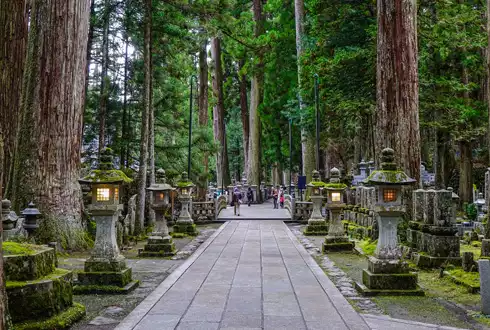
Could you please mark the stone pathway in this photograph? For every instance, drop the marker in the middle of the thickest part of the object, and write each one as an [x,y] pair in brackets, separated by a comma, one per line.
[263,211]
[252,275]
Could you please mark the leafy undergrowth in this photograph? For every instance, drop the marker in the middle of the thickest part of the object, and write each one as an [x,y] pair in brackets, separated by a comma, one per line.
[368,246]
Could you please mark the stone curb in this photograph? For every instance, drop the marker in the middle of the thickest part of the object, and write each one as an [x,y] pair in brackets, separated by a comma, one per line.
[400,321]
[351,318]
[132,320]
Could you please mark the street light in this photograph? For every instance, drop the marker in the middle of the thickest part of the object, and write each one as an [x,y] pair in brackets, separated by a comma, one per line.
[190,126]
[317,113]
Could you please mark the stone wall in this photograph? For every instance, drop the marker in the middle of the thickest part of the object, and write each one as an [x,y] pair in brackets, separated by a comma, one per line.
[203,212]
[302,211]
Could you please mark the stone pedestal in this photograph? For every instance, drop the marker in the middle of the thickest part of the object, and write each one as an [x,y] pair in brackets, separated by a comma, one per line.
[386,273]
[105,271]
[316,223]
[485,248]
[184,223]
[336,239]
[160,243]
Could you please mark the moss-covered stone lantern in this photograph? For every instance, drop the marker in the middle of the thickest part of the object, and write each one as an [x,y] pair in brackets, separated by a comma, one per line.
[160,242]
[336,239]
[9,218]
[316,223]
[105,271]
[387,273]
[184,223]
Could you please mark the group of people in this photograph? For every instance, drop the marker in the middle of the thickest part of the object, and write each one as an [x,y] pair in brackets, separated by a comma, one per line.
[237,198]
[278,195]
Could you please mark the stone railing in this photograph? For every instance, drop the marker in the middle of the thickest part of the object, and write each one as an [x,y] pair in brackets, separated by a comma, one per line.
[203,211]
[289,204]
[302,211]
[220,204]
[360,222]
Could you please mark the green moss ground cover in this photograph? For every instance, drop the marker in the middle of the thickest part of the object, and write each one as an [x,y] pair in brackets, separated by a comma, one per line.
[474,247]
[13,248]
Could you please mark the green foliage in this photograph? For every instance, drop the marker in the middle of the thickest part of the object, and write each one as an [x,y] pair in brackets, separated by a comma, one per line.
[471,212]
[13,248]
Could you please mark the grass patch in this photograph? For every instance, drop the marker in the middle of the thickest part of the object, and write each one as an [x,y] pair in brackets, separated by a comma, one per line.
[368,246]
[474,247]
[470,278]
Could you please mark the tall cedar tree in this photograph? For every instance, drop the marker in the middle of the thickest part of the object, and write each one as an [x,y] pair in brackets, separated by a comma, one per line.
[145,118]
[397,113]
[13,42]
[47,161]
[256,98]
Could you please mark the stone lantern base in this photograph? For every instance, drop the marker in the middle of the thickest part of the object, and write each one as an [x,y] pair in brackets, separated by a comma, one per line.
[105,276]
[158,246]
[188,228]
[388,277]
[316,227]
[337,243]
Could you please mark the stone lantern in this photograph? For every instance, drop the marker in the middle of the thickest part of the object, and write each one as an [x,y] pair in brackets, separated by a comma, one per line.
[316,223]
[160,242]
[454,206]
[480,202]
[106,268]
[387,273]
[184,223]
[336,239]
[9,218]
[31,215]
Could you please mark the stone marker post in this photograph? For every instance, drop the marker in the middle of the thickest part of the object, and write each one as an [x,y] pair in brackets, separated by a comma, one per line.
[336,239]
[484,269]
[160,242]
[387,274]
[316,223]
[105,271]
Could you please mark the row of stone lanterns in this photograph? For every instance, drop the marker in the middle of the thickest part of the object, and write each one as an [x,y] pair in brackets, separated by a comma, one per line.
[387,273]
[9,219]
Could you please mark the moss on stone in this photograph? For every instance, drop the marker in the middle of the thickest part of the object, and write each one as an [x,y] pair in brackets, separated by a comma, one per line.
[26,267]
[64,320]
[335,186]
[18,284]
[471,279]
[317,183]
[102,176]
[184,184]
[178,235]
[23,249]
[104,289]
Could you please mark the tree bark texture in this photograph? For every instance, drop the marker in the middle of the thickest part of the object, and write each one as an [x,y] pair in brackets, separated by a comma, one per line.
[47,161]
[397,115]
[151,151]
[256,97]
[222,169]
[5,323]
[13,42]
[488,76]
[104,78]
[90,42]
[125,119]
[466,173]
[203,105]
[145,117]
[245,118]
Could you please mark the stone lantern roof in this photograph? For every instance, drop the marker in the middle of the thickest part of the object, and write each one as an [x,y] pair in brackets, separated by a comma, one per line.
[185,182]
[105,172]
[335,183]
[161,182]
[389,173]
[315,180]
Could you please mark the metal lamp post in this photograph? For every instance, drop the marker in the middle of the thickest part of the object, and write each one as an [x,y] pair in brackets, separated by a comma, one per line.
[190,126]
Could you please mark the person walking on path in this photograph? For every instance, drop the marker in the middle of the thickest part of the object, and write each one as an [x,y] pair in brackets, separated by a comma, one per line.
[250,196]
[281,200]
[237,200]
[274,197]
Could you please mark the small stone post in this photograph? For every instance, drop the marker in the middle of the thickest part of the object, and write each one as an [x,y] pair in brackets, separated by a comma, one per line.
[336,239]
[484,269]
[160,242]
[316,223]
[9,220]
[184,223]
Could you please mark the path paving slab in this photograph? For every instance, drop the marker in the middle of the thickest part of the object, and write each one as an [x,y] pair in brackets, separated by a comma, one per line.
[252,274]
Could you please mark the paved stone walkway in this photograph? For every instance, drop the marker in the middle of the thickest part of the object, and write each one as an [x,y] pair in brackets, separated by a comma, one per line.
[263,211]
[252,275]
